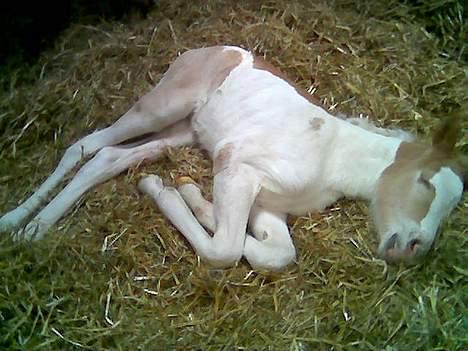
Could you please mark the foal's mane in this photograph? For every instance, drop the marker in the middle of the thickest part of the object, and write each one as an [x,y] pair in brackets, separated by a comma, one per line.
[367,124]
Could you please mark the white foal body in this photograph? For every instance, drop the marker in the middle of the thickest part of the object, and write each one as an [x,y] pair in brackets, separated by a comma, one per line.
[298,148]
[274,153]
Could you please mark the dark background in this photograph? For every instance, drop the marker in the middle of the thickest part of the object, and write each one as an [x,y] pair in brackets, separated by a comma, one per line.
[27,28]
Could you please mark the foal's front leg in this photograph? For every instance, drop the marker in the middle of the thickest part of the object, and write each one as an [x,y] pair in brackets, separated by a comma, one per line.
[234,193]
[201,208]
[270,248]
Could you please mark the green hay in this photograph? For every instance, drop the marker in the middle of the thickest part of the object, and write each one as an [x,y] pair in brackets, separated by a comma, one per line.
[147,290]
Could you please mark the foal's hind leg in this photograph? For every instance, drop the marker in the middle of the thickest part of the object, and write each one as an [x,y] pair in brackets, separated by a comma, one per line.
[163,106]
[107,163]
[271,248]
[186,85]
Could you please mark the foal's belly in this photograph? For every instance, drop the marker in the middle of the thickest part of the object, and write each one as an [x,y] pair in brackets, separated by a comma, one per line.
[300,203]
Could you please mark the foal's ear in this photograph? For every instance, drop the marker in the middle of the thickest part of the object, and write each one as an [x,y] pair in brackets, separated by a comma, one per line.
[446,134]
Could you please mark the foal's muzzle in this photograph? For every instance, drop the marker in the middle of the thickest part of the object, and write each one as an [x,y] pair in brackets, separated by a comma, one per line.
[396,249]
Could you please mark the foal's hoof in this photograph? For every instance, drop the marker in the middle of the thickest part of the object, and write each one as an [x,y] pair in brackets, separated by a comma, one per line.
[35,230]
[151,183]
[12,219]
[184,180]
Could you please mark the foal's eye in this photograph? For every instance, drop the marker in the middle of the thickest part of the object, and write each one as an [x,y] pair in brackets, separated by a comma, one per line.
[425,182]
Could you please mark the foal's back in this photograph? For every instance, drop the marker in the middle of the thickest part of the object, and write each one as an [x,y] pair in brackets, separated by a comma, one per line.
[256,117]
[253,102]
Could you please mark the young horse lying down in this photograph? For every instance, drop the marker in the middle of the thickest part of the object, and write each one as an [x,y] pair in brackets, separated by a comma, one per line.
[275,152]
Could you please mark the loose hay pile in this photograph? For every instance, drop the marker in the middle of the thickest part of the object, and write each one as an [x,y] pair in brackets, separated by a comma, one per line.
[116,276]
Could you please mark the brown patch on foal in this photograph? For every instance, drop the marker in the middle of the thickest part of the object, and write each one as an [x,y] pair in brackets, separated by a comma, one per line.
[262,64]
[223,158]
[231,59]
[431,159]
[397,181]
[192,76]
[207,65]
[414,159]
[316,123]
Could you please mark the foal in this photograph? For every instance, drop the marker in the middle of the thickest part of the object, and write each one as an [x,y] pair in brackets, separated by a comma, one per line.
[275,152]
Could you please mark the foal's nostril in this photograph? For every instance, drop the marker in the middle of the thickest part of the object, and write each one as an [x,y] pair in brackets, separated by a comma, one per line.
[413,245]
[391,243]
[396,250]
[390,250]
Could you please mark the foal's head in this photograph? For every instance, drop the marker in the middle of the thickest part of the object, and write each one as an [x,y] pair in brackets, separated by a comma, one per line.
[415,193]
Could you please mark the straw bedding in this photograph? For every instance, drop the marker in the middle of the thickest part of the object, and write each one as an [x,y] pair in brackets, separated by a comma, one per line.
[115,275]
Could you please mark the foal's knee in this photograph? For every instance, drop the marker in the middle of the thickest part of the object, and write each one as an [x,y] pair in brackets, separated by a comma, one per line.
[222,254]
[280,259]
[285,257]
[222,260]
[71,156]
[108,155]
[272,258]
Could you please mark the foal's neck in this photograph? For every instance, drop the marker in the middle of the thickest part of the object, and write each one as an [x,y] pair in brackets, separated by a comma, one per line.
[359,158]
